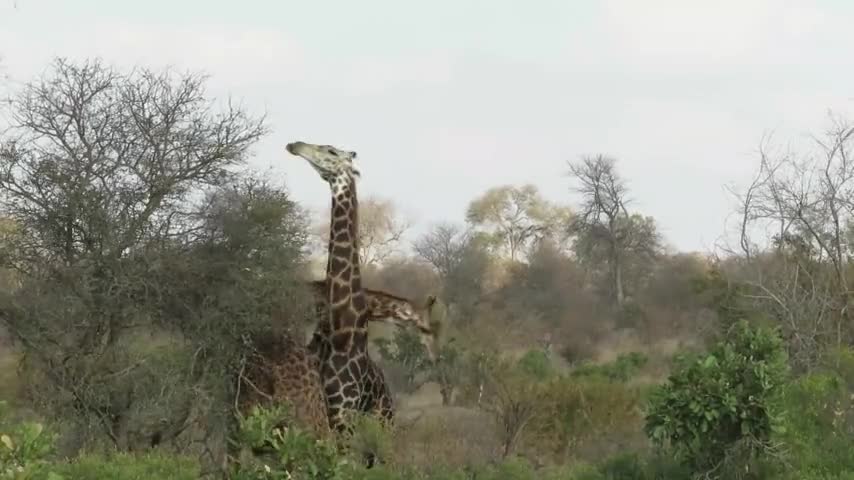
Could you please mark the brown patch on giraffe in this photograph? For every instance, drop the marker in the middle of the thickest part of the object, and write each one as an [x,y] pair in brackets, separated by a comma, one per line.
[282,371]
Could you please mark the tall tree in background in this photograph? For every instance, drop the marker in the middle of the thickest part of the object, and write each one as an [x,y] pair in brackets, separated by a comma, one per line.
[604,229]
[515,217]
[461,258]
[442,247]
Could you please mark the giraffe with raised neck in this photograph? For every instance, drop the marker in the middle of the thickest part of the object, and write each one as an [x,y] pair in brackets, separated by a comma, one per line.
[351,381]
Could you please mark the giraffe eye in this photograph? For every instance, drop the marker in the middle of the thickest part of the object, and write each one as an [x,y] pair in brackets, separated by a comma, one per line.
[332,152]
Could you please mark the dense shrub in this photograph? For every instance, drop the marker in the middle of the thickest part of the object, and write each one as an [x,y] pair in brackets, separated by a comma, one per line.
[279,453]
[819,421]
[730,395]
[572,411]
[537,364]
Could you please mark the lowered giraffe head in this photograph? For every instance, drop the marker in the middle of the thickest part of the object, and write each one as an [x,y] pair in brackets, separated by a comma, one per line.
[335,166]
[398,311]
[403,313]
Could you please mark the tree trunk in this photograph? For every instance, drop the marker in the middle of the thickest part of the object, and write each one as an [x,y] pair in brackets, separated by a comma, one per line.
[618,284]
[617,275]
[447,391]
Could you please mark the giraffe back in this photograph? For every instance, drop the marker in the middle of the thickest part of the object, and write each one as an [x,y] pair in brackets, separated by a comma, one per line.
[282,371]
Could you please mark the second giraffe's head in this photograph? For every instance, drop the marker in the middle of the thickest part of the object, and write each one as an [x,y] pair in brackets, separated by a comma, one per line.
[333,164]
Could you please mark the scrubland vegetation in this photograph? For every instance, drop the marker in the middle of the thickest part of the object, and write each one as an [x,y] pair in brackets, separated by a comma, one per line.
[142,261]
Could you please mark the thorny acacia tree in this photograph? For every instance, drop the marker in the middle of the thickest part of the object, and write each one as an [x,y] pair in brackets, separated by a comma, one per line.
[801,278]
[603,227]
[133,305]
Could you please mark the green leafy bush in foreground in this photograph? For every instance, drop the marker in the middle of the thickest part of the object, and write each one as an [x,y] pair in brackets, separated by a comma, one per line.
[727,397]
[120,467]
[23,446]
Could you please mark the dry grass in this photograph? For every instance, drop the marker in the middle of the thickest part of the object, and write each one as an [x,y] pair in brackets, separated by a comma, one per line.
[9,381]
[452,436]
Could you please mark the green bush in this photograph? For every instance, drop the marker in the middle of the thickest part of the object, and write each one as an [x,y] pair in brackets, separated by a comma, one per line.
[370,439]
[537,364]
[283,453]
[406,351]
[711,403]
[622,369]
[819,421]
[572,410]
[23,446]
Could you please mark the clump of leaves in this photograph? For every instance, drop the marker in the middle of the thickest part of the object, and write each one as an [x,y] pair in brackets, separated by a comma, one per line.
[727,397]
[23,446]
[288,452]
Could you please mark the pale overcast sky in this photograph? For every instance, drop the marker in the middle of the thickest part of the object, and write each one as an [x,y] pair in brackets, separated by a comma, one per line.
[443,99]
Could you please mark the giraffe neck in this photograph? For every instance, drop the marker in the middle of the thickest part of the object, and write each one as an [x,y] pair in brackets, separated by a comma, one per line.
[347,306]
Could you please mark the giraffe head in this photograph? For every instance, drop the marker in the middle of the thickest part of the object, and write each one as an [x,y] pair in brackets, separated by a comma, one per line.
[337,167]
[403,313]
[390,309]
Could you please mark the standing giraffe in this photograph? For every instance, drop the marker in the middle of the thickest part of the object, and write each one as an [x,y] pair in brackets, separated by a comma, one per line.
[281,371]
[351,381]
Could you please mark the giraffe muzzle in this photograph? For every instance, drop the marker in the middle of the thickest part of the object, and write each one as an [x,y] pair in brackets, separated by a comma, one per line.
[293,147]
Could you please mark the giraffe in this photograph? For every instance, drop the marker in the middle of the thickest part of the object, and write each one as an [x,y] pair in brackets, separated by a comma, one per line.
[382,307]
[351,381]
[282,371]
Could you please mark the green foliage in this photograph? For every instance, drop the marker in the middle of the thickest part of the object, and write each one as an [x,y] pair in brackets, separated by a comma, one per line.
[287,452]
[122,467]
[145,264]
[622,369]
[537,364]
[448,371]
[712,402]
[405,350]
[572,410]
[370,439]
[23,446]
[819,422]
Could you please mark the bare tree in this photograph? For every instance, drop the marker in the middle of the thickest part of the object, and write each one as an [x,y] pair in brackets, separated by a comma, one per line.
[442,247]
[807,202]
[604,221]
[513,402]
